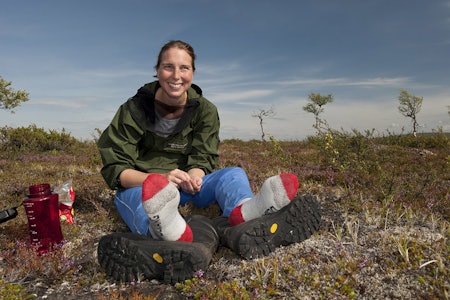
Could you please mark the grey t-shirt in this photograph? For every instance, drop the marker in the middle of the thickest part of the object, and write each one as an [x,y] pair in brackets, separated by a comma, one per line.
[164,127]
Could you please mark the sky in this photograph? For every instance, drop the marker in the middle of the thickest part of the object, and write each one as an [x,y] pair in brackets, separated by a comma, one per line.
[80,60]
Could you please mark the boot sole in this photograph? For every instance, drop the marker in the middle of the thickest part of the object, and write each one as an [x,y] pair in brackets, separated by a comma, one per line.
[131,257]
[294,223]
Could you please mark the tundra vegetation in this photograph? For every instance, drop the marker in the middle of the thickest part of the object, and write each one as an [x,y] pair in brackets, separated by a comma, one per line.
[384,231]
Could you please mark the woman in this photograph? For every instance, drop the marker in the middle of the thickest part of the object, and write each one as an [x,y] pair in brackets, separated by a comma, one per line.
[160,151]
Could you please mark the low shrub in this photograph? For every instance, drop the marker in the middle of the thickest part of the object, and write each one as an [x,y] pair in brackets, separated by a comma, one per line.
[34,139]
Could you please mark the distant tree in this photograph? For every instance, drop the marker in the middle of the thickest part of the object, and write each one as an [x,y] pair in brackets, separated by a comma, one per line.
[410,106]
[448,109]
[317,101]
[9,98]
[261,115]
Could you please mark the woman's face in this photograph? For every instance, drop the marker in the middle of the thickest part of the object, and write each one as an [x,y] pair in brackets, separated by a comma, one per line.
[175,74]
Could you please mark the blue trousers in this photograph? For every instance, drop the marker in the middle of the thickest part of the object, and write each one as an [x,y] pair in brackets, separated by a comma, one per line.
[227,187]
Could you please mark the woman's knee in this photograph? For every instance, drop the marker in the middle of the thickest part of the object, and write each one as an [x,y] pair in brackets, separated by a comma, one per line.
[234,171]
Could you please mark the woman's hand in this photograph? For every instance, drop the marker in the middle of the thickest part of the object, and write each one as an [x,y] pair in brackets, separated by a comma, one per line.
[196,179]
[195,184]
[190,182]
[177,177]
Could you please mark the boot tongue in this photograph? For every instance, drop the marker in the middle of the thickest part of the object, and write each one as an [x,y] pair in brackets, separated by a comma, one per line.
[204,231]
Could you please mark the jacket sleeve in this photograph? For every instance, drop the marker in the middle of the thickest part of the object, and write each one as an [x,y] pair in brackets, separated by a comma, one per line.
[205,143]
[118,146]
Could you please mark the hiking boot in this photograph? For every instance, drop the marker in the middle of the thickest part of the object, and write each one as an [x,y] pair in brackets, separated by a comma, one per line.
[131,257]
[294,223]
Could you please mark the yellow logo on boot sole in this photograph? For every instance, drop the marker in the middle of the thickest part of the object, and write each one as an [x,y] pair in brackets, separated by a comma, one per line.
[158,258]
[273,228]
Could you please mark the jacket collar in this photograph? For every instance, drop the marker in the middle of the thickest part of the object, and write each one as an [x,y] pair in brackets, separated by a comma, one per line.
[142,106]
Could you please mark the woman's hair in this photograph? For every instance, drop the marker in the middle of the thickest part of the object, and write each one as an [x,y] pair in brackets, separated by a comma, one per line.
[180,45]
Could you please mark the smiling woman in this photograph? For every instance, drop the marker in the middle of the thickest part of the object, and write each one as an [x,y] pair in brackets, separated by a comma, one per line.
[161,151]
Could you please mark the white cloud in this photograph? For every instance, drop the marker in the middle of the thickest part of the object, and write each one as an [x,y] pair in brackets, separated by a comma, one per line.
[63,103]
[112,73]
[240,96]
[370,82]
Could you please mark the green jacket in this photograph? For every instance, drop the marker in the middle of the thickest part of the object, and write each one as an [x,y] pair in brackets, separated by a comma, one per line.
[129,142]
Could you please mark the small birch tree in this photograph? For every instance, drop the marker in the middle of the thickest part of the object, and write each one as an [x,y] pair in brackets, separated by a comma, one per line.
[261,115]
[317,101]
[410,106]
[9,98]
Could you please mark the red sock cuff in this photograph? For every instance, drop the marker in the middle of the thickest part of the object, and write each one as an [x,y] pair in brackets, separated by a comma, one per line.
[290,183]
[152,185]
[187,235]
[236,217]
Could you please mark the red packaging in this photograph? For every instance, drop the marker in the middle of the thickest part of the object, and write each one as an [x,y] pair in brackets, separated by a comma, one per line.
[66,198]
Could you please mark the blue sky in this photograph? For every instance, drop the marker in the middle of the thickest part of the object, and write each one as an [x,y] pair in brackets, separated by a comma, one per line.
[80,60]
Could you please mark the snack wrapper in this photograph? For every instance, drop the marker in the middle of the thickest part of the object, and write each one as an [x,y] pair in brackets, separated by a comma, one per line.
[66,196]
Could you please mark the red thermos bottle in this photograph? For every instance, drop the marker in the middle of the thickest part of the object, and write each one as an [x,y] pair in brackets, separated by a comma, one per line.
[42,209]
